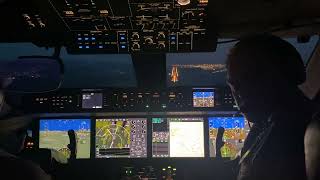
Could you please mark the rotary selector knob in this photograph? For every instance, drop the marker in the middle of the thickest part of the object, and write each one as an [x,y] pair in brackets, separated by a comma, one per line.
[162,45]
[148,41]
[135,36]
[183,2]
[136,46]
[161,36]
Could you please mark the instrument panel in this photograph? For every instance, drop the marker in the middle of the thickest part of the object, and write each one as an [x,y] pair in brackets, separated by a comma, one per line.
[132,100]
[144,136]
[143,132]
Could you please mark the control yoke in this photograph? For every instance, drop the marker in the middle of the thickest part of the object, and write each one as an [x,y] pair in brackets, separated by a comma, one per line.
[73,144]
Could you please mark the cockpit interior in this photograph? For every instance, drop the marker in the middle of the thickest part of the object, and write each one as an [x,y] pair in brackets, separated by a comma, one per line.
[136,89]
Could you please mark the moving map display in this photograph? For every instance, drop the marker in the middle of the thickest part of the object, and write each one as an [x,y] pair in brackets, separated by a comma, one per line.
[177,137]
[236,130]
[121,138]
[203,98]
[54,135]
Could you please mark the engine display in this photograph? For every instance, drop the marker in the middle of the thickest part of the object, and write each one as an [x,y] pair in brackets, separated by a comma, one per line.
[203,98]
[177,137]
[54,135]
[121,138]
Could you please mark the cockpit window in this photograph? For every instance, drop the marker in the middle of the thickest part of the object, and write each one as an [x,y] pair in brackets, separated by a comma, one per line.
[198,69]
[11,51]
[208,69]
[81,71]
[305,49]
[116,70]
[97,71]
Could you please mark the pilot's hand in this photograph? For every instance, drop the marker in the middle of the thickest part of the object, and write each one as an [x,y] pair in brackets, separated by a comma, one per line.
[219,141]
[58,156]
[220,144]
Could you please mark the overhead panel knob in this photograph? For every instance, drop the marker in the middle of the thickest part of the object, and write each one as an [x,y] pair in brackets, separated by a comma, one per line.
[162,45]
[149,41]
[183,2]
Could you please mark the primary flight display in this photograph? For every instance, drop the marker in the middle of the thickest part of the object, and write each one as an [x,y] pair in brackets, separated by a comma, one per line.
[53,134]
[236,130]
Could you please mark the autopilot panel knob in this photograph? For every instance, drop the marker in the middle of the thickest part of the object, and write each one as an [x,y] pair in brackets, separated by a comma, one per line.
[161,36]
[162,45]
[135,36]
[148,41]
[183,2]
[135,46]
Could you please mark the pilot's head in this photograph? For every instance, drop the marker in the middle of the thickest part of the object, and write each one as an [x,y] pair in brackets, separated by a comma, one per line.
[263,70]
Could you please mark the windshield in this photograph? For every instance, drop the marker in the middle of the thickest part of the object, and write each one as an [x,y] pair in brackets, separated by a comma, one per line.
[116,70]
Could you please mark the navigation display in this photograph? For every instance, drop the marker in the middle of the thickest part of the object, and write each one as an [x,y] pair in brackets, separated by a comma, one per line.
[92,100]
[121,138]
[177,137]
[203,98]
[54,135]
[236,130]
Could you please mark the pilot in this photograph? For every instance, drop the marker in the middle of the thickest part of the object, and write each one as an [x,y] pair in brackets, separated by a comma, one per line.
[12,136]
[264,72]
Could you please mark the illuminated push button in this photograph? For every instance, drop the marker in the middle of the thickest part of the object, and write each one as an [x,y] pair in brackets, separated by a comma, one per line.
[183,2]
